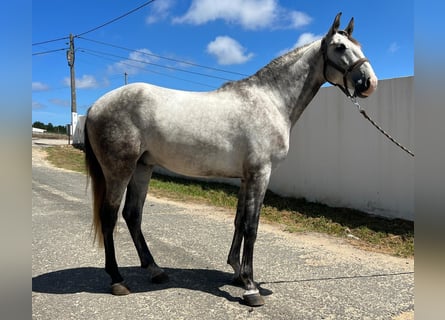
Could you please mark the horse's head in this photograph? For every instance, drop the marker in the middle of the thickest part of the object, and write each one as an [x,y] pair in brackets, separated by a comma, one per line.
[344,62]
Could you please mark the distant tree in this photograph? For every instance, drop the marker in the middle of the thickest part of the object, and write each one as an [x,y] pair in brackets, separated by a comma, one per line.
[39,125]
[50,127]
[60,129]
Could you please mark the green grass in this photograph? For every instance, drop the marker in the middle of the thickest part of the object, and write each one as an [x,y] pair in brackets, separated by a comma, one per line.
[395,237]
[67,157]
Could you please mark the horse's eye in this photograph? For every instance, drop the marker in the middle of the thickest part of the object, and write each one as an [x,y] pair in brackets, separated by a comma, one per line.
[340,47]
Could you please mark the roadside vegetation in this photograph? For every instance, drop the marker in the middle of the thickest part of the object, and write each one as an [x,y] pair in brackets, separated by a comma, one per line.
[395,237]
[50,128]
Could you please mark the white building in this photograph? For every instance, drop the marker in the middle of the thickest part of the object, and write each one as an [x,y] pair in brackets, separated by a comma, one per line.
[37,130]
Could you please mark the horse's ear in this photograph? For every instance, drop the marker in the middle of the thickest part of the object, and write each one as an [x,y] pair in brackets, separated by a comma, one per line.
[350,28]
[335,25]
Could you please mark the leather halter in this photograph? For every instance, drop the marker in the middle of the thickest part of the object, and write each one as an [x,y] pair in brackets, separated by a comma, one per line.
[342,70]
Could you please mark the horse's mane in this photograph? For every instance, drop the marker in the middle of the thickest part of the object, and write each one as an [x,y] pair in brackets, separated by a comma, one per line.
[289,57]
[279,62]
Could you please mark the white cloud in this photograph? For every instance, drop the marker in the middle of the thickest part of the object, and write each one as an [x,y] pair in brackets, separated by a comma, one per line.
[37,105]
[228,51]
[137,60]
[299,19]
[306,38]
[303,39]
[394,47]
[86,82]
[39,86]
[251,14]
[159,10]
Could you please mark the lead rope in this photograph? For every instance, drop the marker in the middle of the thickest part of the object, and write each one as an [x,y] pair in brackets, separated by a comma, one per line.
[363,112]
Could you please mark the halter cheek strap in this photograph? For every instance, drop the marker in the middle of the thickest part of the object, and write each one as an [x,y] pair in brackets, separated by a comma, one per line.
[342,70]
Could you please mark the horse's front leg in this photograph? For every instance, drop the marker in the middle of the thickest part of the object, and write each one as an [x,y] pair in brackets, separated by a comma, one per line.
[256,186]
[234,254]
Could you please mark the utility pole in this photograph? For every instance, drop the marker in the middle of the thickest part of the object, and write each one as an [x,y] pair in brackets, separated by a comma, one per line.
[126,77]
[70,56]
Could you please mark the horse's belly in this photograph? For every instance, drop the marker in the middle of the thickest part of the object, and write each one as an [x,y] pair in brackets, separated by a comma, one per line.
[198,161]
[197,166]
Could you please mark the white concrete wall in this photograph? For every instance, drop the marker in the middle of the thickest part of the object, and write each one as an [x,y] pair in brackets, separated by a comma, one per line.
[338,158]
[78,136]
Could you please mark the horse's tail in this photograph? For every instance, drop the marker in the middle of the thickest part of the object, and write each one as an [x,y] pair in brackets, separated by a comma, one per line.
[94,170]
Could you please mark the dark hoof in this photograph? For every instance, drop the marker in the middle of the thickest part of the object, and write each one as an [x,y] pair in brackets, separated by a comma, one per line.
[119,289]
[160,278]
[253,300]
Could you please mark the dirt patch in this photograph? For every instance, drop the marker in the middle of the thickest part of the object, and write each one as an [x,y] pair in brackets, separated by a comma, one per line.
[39,157]
[405,316]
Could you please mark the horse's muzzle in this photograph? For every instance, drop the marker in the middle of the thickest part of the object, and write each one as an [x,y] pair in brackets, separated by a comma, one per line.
[364,88]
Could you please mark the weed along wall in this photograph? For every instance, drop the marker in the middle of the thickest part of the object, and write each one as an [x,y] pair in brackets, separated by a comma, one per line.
[338,158]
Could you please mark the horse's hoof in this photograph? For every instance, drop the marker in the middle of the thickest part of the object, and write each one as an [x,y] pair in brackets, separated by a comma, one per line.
[119,289]
[160,278]
[252,298]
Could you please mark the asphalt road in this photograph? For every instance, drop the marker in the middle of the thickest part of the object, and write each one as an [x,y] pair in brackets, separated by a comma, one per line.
[301,276]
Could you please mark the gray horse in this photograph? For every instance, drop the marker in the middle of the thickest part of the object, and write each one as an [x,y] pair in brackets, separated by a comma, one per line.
[240,130]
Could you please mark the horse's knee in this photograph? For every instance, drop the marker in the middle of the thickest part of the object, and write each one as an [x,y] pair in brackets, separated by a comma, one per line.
[131,215]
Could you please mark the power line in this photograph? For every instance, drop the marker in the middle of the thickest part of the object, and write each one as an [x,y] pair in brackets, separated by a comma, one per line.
[156,64]
[118,18]
[49,51]
[165,58]
[48,41]
[148,70]
[100,26]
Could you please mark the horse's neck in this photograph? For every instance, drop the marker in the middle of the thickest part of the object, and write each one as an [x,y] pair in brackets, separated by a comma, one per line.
[295,79]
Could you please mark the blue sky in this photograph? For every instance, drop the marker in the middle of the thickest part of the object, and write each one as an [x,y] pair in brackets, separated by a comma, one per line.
[194,45]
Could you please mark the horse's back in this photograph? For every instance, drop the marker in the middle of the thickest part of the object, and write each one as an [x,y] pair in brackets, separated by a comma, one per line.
[149,102]
[192,133]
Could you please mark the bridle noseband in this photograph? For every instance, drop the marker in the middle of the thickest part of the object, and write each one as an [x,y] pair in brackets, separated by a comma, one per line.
[345,72]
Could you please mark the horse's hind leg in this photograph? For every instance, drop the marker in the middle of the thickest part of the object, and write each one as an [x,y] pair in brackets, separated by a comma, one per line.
[108,217]
[136,193]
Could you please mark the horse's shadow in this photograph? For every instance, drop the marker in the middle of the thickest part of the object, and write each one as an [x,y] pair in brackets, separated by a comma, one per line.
[95,280]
